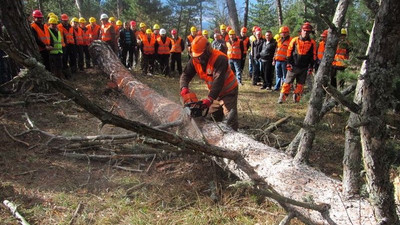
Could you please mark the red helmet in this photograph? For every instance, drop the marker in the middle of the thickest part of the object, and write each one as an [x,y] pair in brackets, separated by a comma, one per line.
[174,32]
[133,23]
[307,27]
[199,32]
[37,14]
[64,17]
[258,29]
[325,33]
[243,30]
[254,29]
[228,28]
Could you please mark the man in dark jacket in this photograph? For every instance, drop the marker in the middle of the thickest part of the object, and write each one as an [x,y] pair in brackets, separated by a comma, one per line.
[255,56]
[219,44]
[266,57]
[127,43]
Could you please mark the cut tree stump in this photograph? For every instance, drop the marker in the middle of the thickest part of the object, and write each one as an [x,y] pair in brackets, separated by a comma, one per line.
[299,182]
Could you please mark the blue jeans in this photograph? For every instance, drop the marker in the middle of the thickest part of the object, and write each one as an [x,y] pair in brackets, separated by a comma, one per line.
[251,70]
[256,71]
[235,66]
[280,68]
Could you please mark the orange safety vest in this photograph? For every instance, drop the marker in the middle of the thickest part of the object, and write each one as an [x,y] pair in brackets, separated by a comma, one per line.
[106,32]
[43,35]
[117,28]
[281,50]
[93,32]
[141,35]
[69,37]
[190,38]
[245,43]
[163,48]
[86,36]
[78,33]
[176,45]
[226,37]
[234,51]
[230,80]
[156,36]
[321,50]
[341,57]
[302,47]
[148,47]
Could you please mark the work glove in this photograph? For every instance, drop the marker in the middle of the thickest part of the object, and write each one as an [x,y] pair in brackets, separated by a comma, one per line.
[289,67]
[207,102]
[310,70]
[184,91]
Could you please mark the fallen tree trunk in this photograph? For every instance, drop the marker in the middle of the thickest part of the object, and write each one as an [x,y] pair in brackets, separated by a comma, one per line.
[276,168]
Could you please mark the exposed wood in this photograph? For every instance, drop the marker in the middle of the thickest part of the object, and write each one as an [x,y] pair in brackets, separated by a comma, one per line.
[286,220]
[128,169]
[353,107]
[15,213]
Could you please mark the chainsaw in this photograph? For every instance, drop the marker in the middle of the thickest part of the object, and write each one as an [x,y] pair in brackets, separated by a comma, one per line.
[196,109]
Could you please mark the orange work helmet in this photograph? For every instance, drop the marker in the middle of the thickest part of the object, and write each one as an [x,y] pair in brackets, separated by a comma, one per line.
[284,29]
[64,17]
[199,45]
[307,27]
[325,33]
[228,28]
[243,30]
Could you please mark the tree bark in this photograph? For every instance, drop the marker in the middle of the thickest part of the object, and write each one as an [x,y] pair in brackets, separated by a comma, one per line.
[233,15]
[378,72]
[119,9]
[246,13]
[279,11]
[79,4]
[321,79]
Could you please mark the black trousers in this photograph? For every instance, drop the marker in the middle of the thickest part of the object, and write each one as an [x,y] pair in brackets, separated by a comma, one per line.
[164,63]
[46,60]
[148,63]
[176,57]
[127,50]
[69,56]
[85,49]
[267,73]
[79,55]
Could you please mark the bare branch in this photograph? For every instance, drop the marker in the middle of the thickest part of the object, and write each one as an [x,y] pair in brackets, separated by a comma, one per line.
[353,107]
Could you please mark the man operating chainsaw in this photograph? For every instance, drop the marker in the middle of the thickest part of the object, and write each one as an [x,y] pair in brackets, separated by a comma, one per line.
[212,66]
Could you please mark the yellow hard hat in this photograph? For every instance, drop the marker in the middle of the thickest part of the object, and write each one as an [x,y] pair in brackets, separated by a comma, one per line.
[50,14]
[231,32]
[205,32]
[92,19]
[148,31]
[193,29]
[276,37]
[343,31]
[284,29]
[142,25]
[53,20]
[74,19]
[222,27]
[119,23]
[55,17]
[156,27]
[82,20]
[111,19]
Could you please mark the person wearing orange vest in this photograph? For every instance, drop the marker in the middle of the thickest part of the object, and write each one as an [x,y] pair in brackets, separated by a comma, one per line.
[94,30]
[156,31]
[224,32]
[163,47]
[266,58]
[341,57]
[190,38]
[127,43]
[321,49]
[147,47]
[69,45]
[86,41]
[42,37]
[246,45]
[212,66]
[235,51]
[178,46]
[107,33]
[301,55]
[56,42]
[280,58]
[79,43]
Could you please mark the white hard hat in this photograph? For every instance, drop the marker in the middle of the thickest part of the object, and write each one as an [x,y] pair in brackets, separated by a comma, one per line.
[163,31]
[103,16]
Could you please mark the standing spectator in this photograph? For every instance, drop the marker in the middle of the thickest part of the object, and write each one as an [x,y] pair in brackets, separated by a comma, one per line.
[127,43]
[224,32]
[42,37]
[176,51]
[235,50]
[136,33]
[56,42]
[78,38]
[321,49]
[252,38]
[86,41]
[219,44]
[246,44]
[69,49]
[280,57]
[341,56]
[302,53]
[163,47]
[255,50]
[147,46]
[267,55]
[107,33]
[93,29]
[189,39]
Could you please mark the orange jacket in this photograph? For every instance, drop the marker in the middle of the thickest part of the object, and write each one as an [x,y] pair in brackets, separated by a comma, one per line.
[86,36]
[234,51]
[93,32]
[68,36]
[43,35]
[281,50]
[78,33]
[106,32]
[342,54]
[246,44]
[163,48]
[148,47]
[176,45]
[321,50]
[302,53]
[230,80]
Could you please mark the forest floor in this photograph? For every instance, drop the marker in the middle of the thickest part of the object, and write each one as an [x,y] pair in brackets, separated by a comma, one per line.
[50,187]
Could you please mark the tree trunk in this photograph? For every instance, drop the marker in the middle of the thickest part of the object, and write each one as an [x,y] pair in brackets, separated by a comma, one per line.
[201,15]
[60,5]
[320,80]
[246,13]
[233,15]
[78,4]
[279,10]
[378,73]
[40,5]
[119,9]
[179,20]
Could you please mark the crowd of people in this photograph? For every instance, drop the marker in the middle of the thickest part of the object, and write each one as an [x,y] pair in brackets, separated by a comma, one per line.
[219,60]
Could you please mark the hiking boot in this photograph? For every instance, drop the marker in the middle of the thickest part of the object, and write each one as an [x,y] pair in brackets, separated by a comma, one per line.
[282,98]
[296,98]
